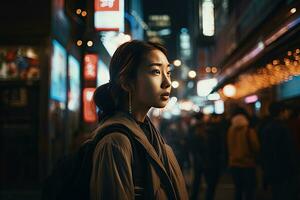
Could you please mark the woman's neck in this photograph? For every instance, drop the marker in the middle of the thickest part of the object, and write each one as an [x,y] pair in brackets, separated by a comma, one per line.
[139,115]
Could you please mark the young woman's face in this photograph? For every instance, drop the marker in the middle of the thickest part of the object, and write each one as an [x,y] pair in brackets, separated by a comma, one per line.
[153,83]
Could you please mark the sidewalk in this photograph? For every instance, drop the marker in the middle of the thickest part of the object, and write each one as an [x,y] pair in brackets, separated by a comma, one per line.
[225,190]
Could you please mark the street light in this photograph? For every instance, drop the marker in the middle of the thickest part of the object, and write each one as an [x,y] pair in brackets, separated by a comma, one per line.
[229,90]
[79,43]
[175,84]
[177,62]
[293,10]
[90,43]
[192,74]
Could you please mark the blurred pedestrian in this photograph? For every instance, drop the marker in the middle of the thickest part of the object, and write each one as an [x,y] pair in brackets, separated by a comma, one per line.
[277,154]
[196,142]
[139,79]
[214,151]
[243,145]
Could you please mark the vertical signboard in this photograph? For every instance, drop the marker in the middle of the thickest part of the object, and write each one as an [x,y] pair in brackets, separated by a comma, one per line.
[89,108]
[90,78]
[90,67]
[74,81]
[58,87]
[109,15]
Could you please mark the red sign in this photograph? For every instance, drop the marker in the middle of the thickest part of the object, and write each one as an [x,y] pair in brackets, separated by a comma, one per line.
[109,15]
[107,5]
[89,107]
[90,66]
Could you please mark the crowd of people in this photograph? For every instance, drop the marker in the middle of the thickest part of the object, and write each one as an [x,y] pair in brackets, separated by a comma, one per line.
[241,145]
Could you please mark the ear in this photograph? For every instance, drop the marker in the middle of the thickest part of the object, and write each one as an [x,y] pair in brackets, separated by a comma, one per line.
[128,86]
[125,87]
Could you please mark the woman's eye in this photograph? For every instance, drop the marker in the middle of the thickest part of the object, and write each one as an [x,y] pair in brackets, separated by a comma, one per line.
[156,71]
[169,73]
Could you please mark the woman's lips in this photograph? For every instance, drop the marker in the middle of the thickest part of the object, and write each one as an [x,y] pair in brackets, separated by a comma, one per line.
[165,96]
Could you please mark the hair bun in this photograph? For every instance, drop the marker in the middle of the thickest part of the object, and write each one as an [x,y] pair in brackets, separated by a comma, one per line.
[103,99]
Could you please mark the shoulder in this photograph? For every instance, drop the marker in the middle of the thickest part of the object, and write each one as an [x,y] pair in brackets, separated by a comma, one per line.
[114,141]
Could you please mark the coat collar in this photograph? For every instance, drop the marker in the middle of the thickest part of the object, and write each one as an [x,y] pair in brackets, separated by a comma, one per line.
[125,119]
[139,135]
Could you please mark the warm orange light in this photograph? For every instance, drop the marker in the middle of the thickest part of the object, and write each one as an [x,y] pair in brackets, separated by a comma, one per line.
[78,11]
[214,70]
[275,62]
[269,75]
[84,13]
[208,69]
[79,43]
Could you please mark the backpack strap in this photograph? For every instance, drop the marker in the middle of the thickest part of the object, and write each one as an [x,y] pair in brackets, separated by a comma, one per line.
[138,169]
[139,166]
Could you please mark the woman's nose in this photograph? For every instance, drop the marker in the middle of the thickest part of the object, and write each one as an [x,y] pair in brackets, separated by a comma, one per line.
[166,82]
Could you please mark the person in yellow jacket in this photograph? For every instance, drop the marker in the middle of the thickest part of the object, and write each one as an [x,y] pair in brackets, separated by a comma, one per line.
[243,146]
[143,167]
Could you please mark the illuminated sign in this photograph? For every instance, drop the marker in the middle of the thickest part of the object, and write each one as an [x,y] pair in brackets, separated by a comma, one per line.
[204,87]
[219,107]
[90,66]
[109,15]
[103,73]
[74,82]
[251,99]
[208,19]
[58,81]
[89,108]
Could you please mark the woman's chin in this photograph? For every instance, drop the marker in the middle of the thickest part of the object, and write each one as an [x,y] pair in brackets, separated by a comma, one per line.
[161,105]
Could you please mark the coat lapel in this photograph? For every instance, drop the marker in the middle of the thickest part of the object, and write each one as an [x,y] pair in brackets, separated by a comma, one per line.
[139,135]
[122,118]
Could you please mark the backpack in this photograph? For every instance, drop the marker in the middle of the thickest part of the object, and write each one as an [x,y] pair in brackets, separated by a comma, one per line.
[70,178]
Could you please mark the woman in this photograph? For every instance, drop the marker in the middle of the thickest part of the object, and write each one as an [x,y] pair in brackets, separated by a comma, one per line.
[139,79]
[243,145]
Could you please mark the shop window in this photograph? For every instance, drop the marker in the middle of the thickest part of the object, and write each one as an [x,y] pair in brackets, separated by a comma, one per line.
[21,63]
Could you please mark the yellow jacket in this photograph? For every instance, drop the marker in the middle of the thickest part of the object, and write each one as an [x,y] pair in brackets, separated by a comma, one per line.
[242,143]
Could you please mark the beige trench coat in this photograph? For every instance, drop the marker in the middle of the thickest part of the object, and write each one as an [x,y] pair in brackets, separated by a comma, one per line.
[112,160]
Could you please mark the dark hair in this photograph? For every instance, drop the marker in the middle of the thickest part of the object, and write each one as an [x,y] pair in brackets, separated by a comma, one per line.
[199,115]
[122,70]
[276,108]
[240,111]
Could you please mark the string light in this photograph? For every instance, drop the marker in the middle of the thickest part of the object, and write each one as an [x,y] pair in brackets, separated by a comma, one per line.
[268,76]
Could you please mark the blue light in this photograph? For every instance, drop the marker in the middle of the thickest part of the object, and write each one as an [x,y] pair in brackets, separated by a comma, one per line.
[257,105]
[183,30]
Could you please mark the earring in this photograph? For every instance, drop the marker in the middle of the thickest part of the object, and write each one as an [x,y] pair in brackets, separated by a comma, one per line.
[129,103]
